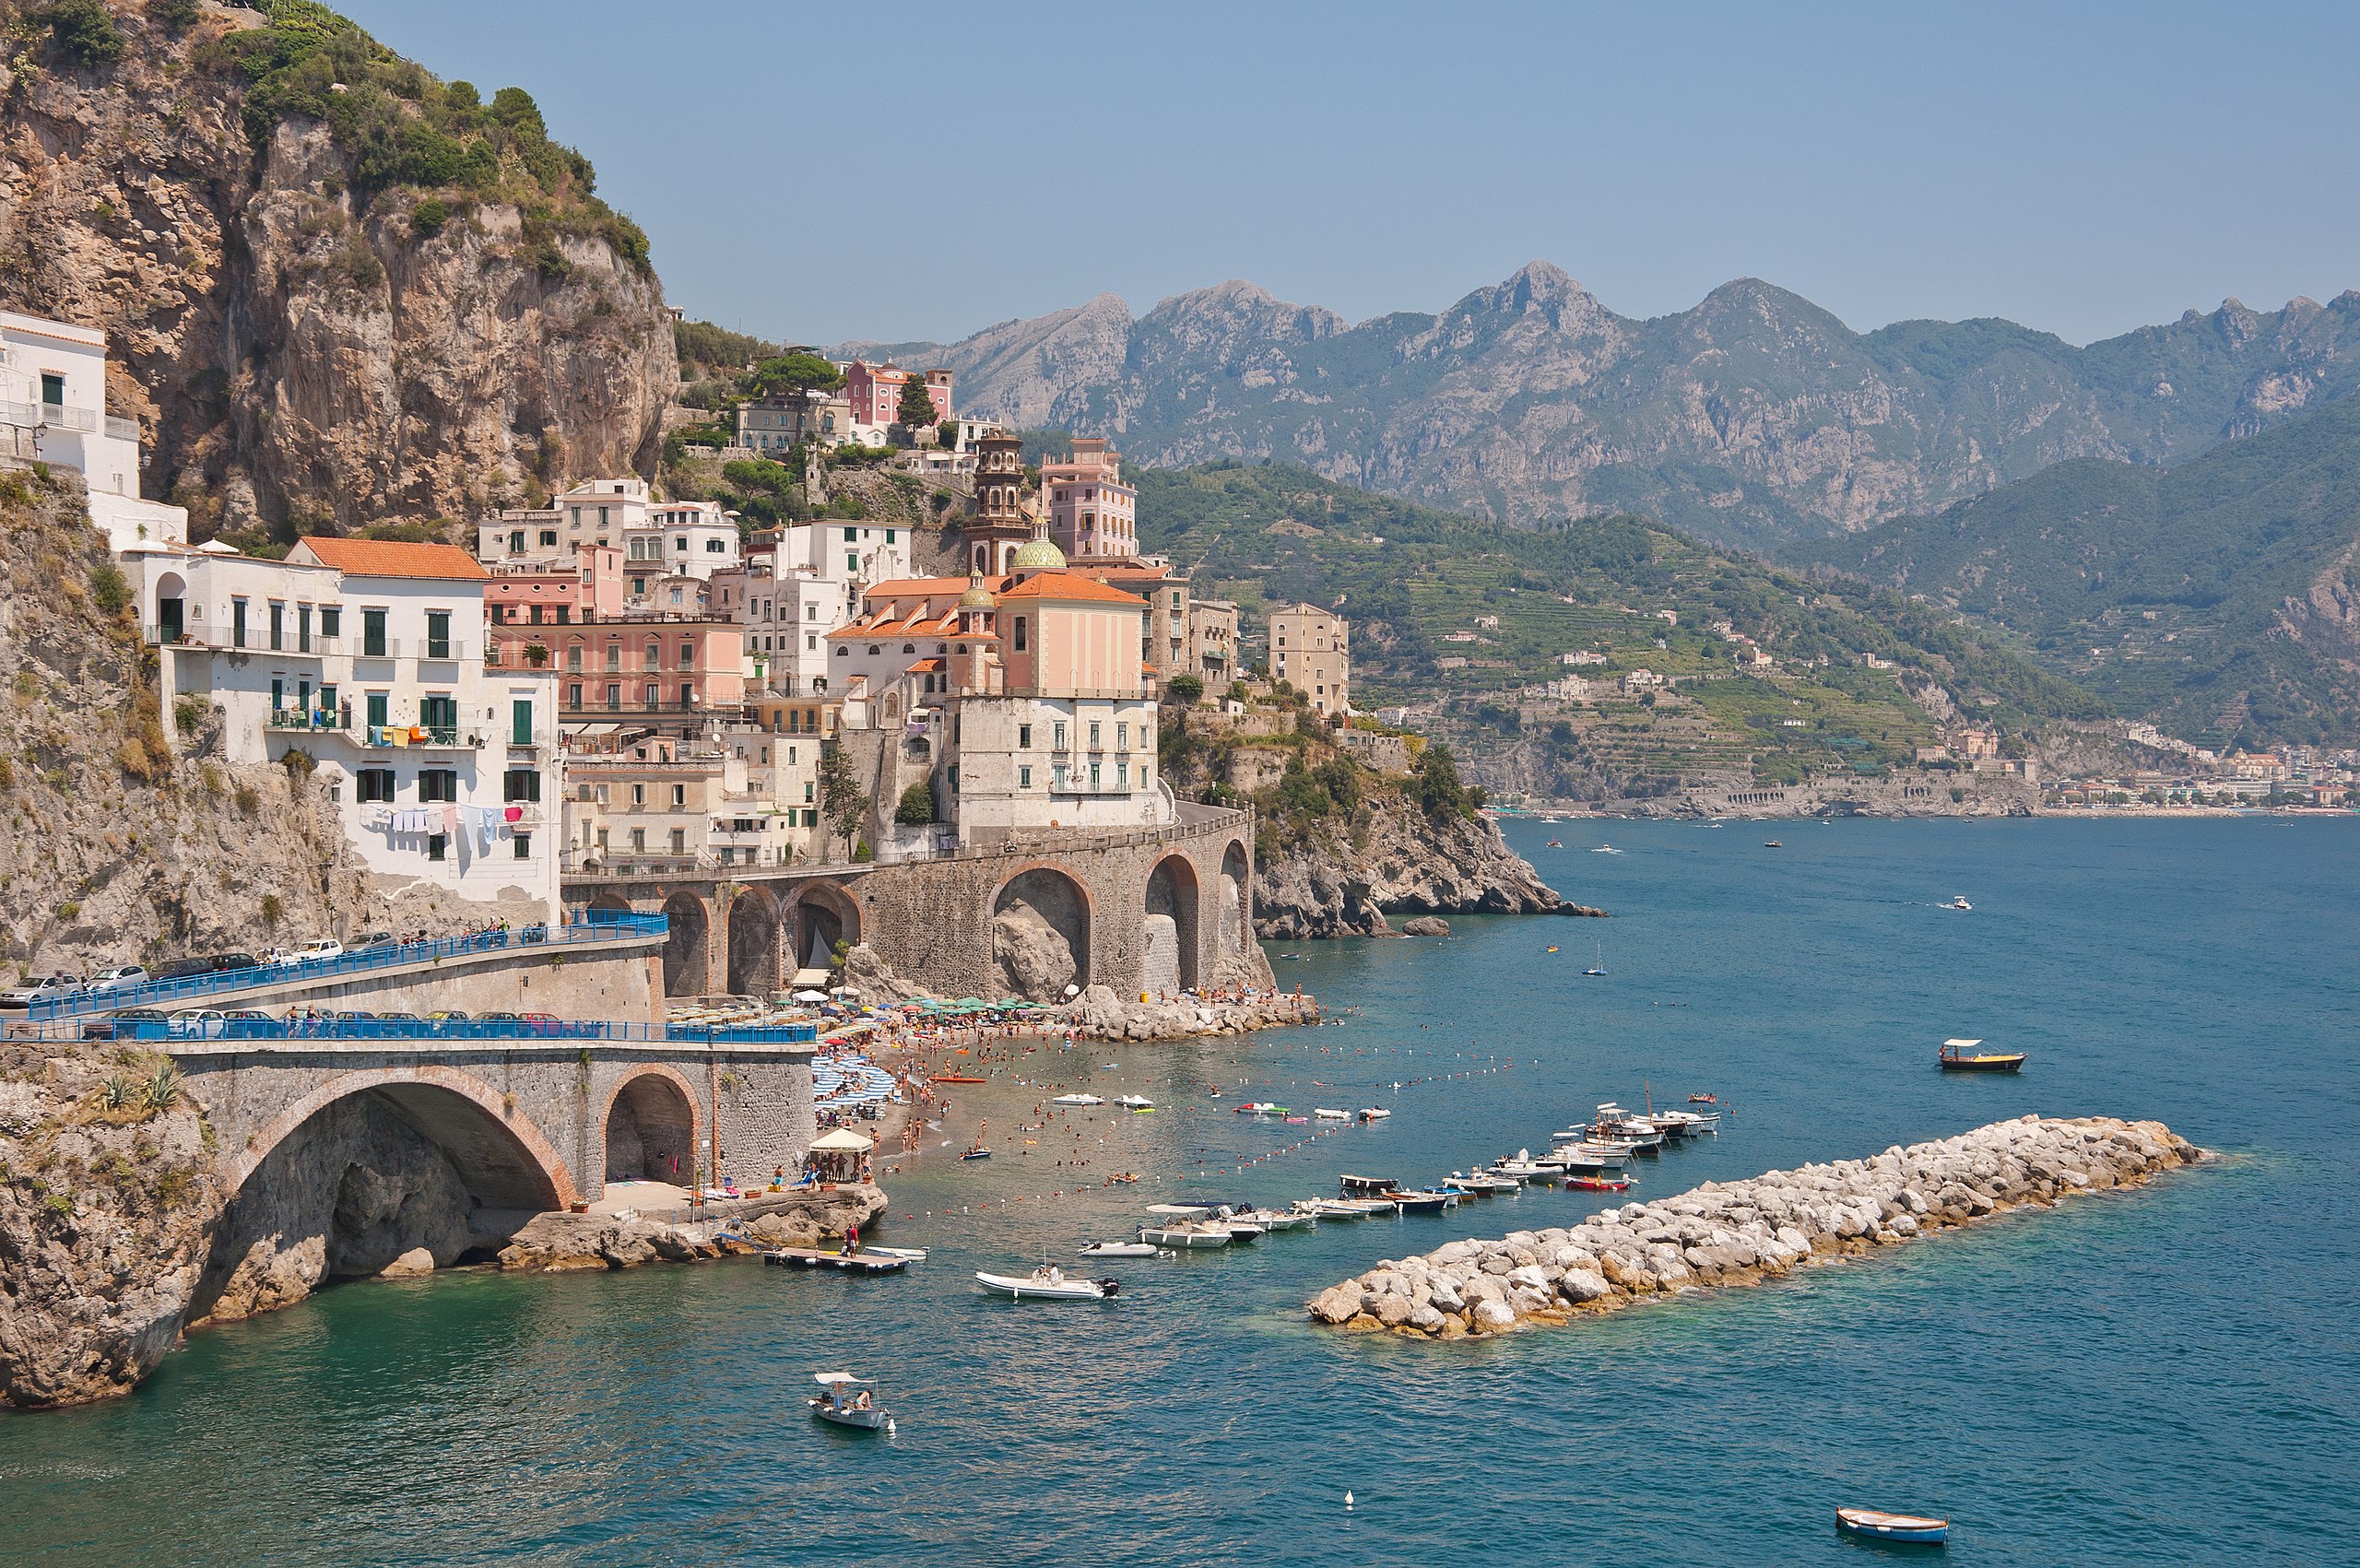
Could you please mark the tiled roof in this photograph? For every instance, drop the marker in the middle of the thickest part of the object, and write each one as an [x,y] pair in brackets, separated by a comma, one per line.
[1066,588]
[925,588]
[391,558]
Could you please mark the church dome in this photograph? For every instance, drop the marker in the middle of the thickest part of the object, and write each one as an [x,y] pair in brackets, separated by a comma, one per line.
[977,596]
[1039,555]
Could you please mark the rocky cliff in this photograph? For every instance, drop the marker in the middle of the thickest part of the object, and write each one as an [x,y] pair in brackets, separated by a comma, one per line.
[335,289]
[1400,860]
[1753,418]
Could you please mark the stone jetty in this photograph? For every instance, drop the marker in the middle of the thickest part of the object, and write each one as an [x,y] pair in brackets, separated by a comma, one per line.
[1743,1232]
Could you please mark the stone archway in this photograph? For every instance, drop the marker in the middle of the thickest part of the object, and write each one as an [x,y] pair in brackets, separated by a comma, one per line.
[824,915]
[753,943]
[688,965]
[1170,927]
[373,1167]
[1041,920]
[1233,907]
[651,1127]
[608,898]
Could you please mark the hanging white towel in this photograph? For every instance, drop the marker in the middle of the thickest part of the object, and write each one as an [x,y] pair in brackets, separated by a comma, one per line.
[483,831]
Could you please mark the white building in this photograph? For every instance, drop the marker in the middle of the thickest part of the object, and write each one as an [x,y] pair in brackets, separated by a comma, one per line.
[693,538]
[596,512]
[53,409]
[367,656]
[818,576]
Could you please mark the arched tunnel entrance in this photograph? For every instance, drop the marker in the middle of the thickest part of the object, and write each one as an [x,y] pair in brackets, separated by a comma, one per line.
[651,1130]
[378,1167]
[1170,927]
[1232,915]
[823,916]
[686,965]
[1041,935]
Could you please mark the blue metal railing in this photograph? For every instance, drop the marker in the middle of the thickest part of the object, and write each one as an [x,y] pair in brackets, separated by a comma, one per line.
[506,1031]
[591,925]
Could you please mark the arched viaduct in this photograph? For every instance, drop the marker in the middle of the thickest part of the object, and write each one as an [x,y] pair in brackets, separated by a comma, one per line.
[1144,909]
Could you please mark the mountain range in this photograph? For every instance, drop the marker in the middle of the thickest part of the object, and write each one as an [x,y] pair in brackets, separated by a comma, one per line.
[1753,419]
[2218,596]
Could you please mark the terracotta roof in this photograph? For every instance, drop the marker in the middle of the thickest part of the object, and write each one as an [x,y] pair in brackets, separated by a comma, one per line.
[915,587]
[926,667]
[1066,588]
[389,558]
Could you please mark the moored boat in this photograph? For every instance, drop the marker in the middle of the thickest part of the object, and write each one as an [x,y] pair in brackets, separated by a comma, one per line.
[1326,1115]
[1136,1102]
[849,1401]
[1077,1100]
[978,1152]
[1881,1526]
[1047,1283]
[1278,1218]
[1375,1114]
[1601,1183]
[1367,1186]
[1119,1249]
[1961,1057]
[1418,1202]
[1190,1236]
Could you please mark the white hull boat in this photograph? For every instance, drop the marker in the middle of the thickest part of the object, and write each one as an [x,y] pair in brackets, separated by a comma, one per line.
[1278,1219]
[1187,1237]
[848,1401]
[1323,1113]
[1120,1249]
[1136,1102]
[1375,1114]
[1076,1099]
[1047,1285]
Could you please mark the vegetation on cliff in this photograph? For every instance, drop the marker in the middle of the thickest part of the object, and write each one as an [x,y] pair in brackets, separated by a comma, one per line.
[1449,606]
[2216,597]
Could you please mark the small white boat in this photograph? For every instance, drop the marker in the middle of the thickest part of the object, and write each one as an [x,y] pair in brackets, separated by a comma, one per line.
[1187,1236]
[1278,1218]
[1327,1114]
[1880,1525]
[1606,849]
[1076,1099]
[1334,1208]
[848,1401]
[1375,1114]
[1120,1249]
[1047,1283]
[1136,1102]
[907,1255]
[1958,903]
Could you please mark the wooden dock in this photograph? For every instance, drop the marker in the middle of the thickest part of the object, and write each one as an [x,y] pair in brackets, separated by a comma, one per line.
[852,1263]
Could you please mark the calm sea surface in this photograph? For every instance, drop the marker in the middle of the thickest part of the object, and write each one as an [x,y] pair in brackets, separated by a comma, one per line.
[2166,1376]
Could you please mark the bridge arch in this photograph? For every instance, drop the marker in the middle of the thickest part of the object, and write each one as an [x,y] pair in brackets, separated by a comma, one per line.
[1041,919]
[611,898]
[687,951]
[504,1159]
[1234,902]
[1170,927]
[754,926]
[823,914]
[650,1126]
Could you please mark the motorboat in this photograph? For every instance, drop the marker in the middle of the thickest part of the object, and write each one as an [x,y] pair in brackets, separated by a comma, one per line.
[1278,1219]
[1602,1182]
[1958,903]
[1241,1228]
[1187,1235]
[1524,1168]
[1892,1526]
[1120,1249]
[1704,1100]
[849,1401]
[978,1152]
[1261,1108]
[1553,844]
[1961,1057]
[1417,1202]
[1047,1283]
[1771,844]
[1482,1184]
[1580,1159]
[1077,1100]
[1136,1102]
[1338,1209]
[1606,849]
[1368,1186]
[1375,1114]
[907,1255]
[1687,1124]
[1325,1114]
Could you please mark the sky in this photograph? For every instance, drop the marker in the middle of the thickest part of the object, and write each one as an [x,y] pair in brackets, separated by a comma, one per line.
[821,174]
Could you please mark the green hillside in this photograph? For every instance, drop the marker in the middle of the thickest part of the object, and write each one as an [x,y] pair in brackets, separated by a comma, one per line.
[1412,576]
[2213,596]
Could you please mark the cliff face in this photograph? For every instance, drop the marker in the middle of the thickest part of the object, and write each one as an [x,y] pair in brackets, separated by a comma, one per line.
[1753,418]
[1404,862]
[296,349]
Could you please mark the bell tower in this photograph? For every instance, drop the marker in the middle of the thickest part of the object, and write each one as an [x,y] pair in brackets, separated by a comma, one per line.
[999,524]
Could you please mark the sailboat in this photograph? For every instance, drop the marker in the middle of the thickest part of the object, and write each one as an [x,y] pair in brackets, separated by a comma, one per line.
[1597,959]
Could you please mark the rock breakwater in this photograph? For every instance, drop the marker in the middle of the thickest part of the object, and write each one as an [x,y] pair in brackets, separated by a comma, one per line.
[1741,1232]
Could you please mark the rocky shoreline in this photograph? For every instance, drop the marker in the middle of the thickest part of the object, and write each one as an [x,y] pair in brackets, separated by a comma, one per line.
[1732,1234]
[1405,863]
[558,1243]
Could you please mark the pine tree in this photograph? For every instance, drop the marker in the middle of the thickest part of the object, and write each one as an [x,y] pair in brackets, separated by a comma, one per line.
[918,406]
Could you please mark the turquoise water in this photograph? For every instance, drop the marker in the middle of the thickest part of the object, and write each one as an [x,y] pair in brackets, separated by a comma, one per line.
[2164,1375]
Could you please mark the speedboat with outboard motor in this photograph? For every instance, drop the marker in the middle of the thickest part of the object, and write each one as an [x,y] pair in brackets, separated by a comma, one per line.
[1047,1283]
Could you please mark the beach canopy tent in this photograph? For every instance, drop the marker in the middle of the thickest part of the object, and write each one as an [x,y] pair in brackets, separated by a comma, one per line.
[810,995]
[837,1155]
[811,979]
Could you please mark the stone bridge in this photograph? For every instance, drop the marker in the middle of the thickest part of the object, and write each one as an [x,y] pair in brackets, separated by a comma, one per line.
[1141,909]
[529,1124]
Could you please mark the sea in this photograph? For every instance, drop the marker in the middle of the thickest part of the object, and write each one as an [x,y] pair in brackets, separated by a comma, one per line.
[2164,1375]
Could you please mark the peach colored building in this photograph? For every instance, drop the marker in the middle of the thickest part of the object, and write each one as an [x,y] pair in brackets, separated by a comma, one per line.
[671,676]
[524,603]
[875,392]
[1091,513]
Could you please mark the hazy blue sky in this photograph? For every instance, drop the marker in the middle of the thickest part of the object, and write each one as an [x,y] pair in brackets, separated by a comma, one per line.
[825,171]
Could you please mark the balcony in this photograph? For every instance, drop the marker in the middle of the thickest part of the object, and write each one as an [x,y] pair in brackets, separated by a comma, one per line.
[60,417]
[122,429]
[421,650]
[433,737]
[304,719]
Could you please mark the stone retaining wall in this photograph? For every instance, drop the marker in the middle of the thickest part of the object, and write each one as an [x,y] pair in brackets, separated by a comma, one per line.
[1743,1232]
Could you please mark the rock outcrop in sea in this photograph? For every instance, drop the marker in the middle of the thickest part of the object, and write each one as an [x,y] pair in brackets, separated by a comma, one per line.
[1402,861]
[1726,1233]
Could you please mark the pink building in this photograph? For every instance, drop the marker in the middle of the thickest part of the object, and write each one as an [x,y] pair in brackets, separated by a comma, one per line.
[875,392]
[671,674]
[523,602]
[1091,512]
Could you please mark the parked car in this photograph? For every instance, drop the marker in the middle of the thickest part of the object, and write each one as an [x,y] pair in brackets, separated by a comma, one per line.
[122,977]
[399,1018]
[281,958]
[224,962]
[448,1015]
[122,1024]
[247,1015]
[196,1023]
[42,989]
[182,969]
[374,939]
[319,949]
[498,1017]
[354,1016]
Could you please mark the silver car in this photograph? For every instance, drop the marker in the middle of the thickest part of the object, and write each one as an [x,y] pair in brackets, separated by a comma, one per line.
[121,977]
